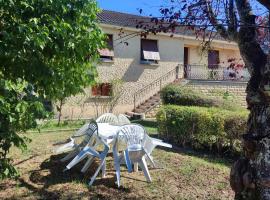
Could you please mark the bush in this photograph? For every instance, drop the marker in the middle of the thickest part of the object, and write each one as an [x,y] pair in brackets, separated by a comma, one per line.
[201,127]
[180,95]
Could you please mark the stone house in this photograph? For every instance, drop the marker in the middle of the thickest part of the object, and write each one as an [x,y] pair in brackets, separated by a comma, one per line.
[145,65]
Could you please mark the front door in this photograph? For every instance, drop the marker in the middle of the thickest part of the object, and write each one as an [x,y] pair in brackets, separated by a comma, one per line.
[186,51]
[213,59]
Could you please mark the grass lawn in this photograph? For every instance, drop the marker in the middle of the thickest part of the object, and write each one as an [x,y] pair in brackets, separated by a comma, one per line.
[185,175]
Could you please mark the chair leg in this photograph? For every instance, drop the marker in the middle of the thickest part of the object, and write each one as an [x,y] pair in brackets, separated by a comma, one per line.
[69,156]
[97,171]
[128,162]
[116,166]
[77,159]
[143,166]
[150,159]
[87,164]
[103,172]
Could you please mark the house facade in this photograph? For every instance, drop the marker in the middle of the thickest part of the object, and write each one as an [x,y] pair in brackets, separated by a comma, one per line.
[142,66]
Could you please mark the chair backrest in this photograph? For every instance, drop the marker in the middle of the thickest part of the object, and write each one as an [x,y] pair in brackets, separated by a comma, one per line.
[133,134]
[148,144]
[122,119]
[107,118]
[91,129]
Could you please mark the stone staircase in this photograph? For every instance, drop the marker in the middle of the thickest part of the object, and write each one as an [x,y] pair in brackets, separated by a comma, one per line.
[150,106]
[148,97]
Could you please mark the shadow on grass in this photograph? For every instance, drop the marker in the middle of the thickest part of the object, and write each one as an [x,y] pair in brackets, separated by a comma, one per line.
[51,173]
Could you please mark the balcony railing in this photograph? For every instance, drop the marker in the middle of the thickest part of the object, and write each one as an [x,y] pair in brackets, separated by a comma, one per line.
[215,72]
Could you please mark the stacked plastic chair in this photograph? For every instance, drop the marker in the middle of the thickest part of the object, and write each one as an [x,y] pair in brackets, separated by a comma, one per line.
[107,118]
[72,147]
[122,119]
[90,151]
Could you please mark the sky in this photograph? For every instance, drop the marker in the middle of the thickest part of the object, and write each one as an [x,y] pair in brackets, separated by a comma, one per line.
[148,6]
[131,6]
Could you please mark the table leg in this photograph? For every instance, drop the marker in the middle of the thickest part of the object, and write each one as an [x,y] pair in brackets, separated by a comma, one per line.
[135,167]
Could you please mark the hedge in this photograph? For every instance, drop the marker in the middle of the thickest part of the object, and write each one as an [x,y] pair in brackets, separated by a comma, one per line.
[180,95]
[200,127]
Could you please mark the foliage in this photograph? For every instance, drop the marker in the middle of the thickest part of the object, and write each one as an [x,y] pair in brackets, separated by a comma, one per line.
[180,95]
[19,108]
[202,127]
[47,52]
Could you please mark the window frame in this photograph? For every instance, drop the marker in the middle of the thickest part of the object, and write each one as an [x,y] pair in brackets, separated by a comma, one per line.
[102,90]
[149,61]
[108,48]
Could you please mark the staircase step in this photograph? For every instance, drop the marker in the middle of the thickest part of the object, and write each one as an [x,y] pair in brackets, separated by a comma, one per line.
[138,110]
[150,104]
[155,97]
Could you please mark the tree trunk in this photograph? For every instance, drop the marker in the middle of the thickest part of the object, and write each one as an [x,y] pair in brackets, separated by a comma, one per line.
[60,111]
[250,175]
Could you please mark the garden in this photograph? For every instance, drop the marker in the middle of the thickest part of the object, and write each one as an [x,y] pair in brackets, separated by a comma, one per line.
[205,134]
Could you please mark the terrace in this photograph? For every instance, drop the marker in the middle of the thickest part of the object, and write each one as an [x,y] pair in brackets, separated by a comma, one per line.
[216,72]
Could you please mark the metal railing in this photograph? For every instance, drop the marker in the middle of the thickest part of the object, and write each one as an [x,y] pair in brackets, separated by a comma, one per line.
[152,88]
[215,72]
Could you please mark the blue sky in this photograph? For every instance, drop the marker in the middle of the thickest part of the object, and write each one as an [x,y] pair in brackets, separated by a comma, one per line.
[131,6]
[148,6]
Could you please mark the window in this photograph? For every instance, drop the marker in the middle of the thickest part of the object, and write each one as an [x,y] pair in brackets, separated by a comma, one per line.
[103,89]
[213,59]
[107,54]
[149,51]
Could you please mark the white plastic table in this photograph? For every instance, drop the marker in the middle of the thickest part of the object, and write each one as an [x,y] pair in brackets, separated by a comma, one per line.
[108,131]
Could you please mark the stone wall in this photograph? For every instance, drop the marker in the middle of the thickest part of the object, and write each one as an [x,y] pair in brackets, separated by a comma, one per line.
[214,88]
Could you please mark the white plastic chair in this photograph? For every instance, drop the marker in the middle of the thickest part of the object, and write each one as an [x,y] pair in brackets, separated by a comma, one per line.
[72,146]
[90,151]
[150,144]
[107,118]
[122,119]
[135,153]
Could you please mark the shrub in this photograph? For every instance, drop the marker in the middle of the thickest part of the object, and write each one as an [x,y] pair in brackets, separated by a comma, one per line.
[202,127]
[185,96]
[179,95]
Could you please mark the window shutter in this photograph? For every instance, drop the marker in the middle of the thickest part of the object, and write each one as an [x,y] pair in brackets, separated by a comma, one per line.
[106,89]
[149,50]
[94,90]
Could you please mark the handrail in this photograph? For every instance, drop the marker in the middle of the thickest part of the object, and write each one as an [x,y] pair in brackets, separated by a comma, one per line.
[220,72]
[155,86]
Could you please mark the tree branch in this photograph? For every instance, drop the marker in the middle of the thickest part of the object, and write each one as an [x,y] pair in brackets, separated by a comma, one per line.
[232,20]
[265,3]
[213,20]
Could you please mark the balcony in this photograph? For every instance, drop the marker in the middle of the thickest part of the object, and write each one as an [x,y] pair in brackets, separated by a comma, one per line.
[215,72]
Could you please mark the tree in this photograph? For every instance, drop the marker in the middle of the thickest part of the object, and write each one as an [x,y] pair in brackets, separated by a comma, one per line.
[48,51]
[238,21]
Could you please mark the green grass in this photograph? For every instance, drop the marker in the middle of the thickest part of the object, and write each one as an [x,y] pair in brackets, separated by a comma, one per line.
[53,125]
[183,175]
